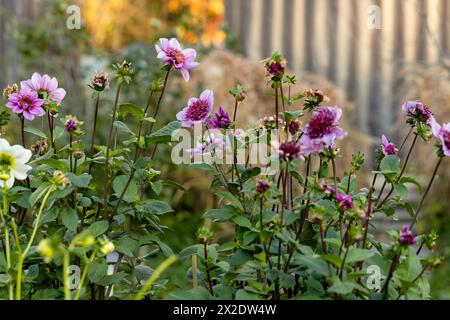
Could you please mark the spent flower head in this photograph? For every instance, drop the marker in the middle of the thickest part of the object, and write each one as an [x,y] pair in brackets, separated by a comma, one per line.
[124,71]
[313,98]
[40,147]
[9,90]
[275,67]
[60,179]
[99,81]
[238,93]
[204,234]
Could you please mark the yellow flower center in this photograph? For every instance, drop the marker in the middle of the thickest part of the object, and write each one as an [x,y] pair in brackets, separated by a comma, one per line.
[7,162]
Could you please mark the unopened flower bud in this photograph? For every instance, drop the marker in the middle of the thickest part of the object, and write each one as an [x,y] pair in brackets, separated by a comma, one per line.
[46,249]
[78,154]
[60,179]
[107,248]
[316,218]
[203,235]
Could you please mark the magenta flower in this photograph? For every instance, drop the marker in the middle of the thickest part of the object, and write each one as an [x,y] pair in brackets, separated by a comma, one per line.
[345,202]
[262,186]
[198,110]
[407,237]
[290,150]
[416,111]
[171,53]
[221,119]
[388,148]
[45,87]
[443,134]
[322,130]
[70,125]
[27,103]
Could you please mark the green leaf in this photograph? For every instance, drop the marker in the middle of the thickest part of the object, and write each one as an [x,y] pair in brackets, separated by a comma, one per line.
[130,108]
[223,214]
[46,294]
[199,293]
[313,263]
[164,134]
[250,173]
[98,228]
[132,192]
[142,272]
[97,270]
[69,218]
[357,254]
[127,246]
[410,268]
[35,131]
[243,294]
[341,288]
[390,167]
[242,222]
[38,193]
[119,125]
[401,189]
[155,207]
[81,181]
[232,199]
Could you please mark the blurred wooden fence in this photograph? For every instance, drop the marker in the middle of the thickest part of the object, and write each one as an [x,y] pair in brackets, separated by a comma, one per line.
[332,38]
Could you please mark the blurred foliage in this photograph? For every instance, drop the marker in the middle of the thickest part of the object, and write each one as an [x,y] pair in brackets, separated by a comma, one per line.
[117,23]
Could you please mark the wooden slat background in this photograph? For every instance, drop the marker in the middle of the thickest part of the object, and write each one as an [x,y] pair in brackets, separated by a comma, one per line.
[331,38]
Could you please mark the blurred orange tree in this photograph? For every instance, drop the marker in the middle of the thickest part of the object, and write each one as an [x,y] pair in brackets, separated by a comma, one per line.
[116,23]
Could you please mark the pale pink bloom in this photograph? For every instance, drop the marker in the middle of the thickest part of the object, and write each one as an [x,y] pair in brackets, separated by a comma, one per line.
[443,134]
[181,60]
[44,85]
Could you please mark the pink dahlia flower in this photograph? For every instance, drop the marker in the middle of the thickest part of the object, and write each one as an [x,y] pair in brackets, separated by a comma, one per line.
[290,150]
[443,134]
[416,111]
[322,130]
[27,103]
[45,87]
[388,148]
[171,53]
[198,110]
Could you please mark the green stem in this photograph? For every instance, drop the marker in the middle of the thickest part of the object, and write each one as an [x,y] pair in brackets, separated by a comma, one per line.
[30,243]
[7,243]
[66,263]
[83,275]
[111,127]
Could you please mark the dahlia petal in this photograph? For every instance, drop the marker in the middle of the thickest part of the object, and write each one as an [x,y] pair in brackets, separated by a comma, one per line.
[181,115]
[27,115]
[185,74]
[36,79]
[20,171]
[58,95]
[189,54]
[164,43]
[174,44]
[21,154]
[37,111]
[52,84]
[4,145]
[384,140]
[435,127]
[45,82]
[208,95]
[192,65]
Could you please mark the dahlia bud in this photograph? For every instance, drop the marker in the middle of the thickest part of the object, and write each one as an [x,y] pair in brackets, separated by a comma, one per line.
[46,249]
[238,93]
[99,81]
[4,175]
[262,186]
[107,248]
[203,235]
[78,154]
[60,179]
[85,240]
[275,66]
[10,90]
[316,218]
[40,147]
